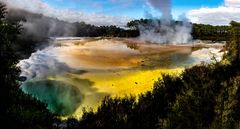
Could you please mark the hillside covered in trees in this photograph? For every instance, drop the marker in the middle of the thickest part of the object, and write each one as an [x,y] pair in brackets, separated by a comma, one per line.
[202,97]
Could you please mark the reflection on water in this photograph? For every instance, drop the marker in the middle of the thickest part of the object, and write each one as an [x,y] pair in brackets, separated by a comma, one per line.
[114,54]
[103,67]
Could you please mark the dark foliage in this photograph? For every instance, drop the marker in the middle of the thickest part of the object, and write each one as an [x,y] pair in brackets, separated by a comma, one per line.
[233,46]
[17,110]
[209,32]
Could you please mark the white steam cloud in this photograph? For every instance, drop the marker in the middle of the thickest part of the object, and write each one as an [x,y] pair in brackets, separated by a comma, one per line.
[42,64]
[48,27]
[163,6]
[165,30]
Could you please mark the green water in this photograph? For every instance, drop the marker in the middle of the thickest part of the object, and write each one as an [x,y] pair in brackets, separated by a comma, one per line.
[60,97]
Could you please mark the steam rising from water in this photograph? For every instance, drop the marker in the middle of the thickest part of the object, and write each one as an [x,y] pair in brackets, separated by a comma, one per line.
[165,30]
[40,26]
[47,27]
[42,64]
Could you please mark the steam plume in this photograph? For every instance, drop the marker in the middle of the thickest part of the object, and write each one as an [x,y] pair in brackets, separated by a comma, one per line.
[42,64]
[163,6]
[165,30]
[41,26]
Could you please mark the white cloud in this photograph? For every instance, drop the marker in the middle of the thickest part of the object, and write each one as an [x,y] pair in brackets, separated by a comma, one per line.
[221,15]
[232,3]
[214,16]
[38,6]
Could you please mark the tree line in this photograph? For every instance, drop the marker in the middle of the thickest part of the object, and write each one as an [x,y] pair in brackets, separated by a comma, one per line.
[199,31]
[43,27]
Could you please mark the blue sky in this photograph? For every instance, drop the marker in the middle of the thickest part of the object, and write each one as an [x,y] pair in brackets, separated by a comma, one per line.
[129,8]
[119,12]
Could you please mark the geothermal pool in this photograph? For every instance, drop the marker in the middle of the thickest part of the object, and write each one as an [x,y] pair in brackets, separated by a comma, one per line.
[76,73]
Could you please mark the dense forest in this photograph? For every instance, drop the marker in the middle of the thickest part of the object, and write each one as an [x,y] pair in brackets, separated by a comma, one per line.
[206,96]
